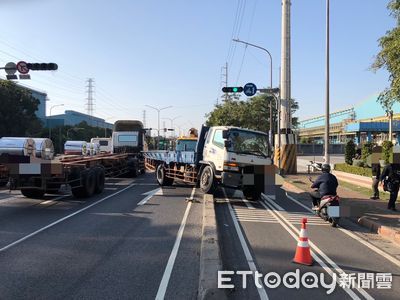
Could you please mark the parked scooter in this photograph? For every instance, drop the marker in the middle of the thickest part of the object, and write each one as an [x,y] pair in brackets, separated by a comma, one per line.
[328,209]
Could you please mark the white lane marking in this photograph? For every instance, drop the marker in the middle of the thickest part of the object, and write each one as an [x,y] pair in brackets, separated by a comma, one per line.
[151,192]
[170,264]
[321,253]
[250,261]
[63,219]
[149,196]
[354,236]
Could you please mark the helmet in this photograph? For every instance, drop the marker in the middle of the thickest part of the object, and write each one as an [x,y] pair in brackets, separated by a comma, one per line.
[326,168]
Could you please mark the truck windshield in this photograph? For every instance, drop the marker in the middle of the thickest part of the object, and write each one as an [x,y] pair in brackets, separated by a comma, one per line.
[247,142]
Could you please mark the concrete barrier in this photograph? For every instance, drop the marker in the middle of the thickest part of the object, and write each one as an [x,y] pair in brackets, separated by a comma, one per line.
[210,256]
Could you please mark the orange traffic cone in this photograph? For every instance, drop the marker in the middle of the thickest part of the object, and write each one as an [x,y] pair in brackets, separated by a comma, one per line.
[303,254]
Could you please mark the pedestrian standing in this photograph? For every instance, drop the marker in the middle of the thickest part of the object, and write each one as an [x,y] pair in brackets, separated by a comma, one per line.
[391,182]
[376,175]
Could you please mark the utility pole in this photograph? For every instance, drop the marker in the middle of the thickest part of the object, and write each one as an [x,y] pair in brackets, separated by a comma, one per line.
[90,98]
[287,152]
[326,148]
[225,76]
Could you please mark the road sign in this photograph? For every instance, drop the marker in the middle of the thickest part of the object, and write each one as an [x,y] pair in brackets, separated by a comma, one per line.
[250,89]
[10,68]
[24,76]
[269,91]
[22,67]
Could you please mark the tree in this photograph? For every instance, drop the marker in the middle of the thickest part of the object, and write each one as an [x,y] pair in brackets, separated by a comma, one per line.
[17,111]
[349,152]
[388,58]
[253,113]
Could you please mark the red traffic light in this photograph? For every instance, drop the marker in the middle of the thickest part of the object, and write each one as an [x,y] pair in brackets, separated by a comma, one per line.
[42,66]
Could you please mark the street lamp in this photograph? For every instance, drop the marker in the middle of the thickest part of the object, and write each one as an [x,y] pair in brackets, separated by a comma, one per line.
[270,105]
[172,120]
[50,118]
[158,127]
[74,129]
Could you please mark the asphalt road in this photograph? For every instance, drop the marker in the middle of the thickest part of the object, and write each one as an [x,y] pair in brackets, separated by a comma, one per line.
[270,231]
[125,243]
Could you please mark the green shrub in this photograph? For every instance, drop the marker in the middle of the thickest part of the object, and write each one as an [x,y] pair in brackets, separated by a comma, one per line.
[353,170]
[349,152]
[366,150]
[387,147]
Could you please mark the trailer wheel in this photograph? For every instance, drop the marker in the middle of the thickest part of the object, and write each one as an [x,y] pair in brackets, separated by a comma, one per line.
[100,180]
[88,179]
[33,193]
[161,178]
[207,180]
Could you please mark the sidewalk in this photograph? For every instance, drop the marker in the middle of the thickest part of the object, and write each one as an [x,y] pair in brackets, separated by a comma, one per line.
[372,214]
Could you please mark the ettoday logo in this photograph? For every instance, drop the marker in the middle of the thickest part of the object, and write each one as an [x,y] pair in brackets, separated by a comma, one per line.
[272,280]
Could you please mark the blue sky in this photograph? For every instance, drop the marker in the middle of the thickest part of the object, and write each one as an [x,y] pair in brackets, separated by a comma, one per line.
[164,53]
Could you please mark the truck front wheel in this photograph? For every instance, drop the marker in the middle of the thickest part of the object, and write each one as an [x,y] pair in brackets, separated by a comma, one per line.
[161,178]
[207,180]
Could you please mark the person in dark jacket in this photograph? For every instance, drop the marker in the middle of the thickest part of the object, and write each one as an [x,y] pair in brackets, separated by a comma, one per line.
[391,173]
[376,176]
[326,184]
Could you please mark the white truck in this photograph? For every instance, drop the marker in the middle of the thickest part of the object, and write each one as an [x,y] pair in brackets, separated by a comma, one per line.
[224,155]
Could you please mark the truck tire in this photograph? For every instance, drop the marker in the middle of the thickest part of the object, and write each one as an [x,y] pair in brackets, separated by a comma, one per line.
[132,167]
[33,193]
[100,180]
[207,180]
[161,178]
[88,179]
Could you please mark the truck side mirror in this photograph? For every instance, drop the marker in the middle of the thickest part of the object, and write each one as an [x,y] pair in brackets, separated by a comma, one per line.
[225,134]
[227,143]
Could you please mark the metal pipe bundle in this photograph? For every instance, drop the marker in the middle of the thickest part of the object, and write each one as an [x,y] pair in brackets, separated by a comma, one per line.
[21,146]
[75,147]
[44,148]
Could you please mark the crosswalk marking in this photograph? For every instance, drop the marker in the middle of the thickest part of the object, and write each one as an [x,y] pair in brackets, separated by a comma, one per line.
[261,215]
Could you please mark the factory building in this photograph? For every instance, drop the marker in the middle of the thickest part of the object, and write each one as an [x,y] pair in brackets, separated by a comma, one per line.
[366,121]
[72,118]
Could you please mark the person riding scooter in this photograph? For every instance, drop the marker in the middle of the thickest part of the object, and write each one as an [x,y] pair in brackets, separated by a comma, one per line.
[326,184]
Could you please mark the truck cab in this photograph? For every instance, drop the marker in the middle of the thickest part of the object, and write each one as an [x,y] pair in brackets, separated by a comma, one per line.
[230,156]
[128,137]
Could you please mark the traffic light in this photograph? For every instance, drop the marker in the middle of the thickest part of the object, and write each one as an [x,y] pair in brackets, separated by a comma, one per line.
[42,66]
[229,89]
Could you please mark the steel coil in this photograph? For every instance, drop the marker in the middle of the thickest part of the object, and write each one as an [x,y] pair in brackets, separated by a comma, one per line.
[75,147]
[21,146]
[44,148]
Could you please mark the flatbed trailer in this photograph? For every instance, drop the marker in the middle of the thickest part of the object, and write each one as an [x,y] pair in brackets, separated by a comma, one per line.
[84,174]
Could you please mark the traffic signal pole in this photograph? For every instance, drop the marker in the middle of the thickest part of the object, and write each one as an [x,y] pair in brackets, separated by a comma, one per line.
[285,153]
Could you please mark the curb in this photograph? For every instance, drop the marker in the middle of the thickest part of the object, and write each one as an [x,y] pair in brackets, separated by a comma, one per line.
[210,257]
[384,231]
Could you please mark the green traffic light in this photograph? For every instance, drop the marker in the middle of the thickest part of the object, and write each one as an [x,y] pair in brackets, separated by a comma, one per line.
[235,89]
